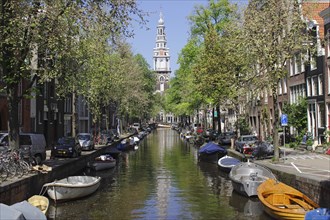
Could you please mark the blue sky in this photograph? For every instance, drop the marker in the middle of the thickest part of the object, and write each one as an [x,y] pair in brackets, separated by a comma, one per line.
[175,13]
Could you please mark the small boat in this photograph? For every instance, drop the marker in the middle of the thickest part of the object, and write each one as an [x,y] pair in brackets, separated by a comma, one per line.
[41,202]
[227,162]
[72,187]
[103,162]
[247,176]
[126,144]
[318,214]
[284,202]
[22,210]
[211,152]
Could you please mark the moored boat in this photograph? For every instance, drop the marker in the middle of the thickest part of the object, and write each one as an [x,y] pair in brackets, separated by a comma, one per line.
[247,176]
[318,214]
[211,152]
[27,210]
[226,163]
[39,201]
[284,202]
[72,187]
[103,162]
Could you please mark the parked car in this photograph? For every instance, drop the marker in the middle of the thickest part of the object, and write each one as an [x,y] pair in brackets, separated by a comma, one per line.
[86,141]
[66,147]
[32,146]
[262,149]
[225,137]
[244,143]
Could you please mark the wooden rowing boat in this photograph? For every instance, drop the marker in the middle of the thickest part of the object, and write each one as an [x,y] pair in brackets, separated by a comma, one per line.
[41,202]
[284,202]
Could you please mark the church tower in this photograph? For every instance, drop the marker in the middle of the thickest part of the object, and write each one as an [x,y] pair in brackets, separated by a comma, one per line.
[161,57]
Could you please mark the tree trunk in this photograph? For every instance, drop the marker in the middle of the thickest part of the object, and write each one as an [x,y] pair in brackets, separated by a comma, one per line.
[74,115]
[205,119]
[275,127]
[12,87]
[13,124]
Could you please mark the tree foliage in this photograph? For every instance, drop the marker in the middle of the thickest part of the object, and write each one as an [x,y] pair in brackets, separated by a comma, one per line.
[274,32]
[42,40]
[297,115]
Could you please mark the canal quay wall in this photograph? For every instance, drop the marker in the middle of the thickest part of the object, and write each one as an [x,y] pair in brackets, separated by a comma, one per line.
[316,187]
[18,189]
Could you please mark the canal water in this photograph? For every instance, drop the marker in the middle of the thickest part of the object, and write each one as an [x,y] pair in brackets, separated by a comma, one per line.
[161,180]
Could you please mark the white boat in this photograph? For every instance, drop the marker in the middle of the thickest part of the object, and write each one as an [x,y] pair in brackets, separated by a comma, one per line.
[247,176]
[72,187]
[226,163]
[103,162]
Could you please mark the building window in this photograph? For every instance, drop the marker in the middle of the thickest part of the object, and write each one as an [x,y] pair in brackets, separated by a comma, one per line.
[67,105]
[297,62]
[313,61]
[280,87]
[321,115]
[314,86]
[309,86]
[291,69]
[285,89]
[320,85]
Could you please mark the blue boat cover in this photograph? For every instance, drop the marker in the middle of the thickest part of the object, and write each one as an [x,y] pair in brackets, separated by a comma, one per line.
[318,214]
[228,161]
[211,147]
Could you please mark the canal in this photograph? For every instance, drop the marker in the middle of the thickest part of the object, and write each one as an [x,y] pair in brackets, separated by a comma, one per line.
[163,180]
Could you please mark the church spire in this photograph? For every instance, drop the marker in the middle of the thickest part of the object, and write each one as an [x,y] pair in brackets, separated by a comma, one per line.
[161,57]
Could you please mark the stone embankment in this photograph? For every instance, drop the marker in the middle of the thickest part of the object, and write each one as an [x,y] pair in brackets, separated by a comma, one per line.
[18,189]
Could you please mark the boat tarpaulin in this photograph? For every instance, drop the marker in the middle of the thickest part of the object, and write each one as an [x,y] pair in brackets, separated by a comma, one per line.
[211,147]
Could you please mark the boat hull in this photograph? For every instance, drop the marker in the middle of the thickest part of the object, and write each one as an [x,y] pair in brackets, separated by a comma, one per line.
[246,177]
[41,202]
[210,158]
[73,187]
[103,165]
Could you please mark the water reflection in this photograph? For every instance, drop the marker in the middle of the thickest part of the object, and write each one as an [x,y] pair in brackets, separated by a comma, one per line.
[161,180]
[250,207]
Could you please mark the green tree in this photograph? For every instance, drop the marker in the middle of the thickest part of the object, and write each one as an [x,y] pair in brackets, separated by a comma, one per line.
[47,31]
[273,33]
[219,64]
[297,115]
